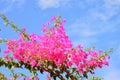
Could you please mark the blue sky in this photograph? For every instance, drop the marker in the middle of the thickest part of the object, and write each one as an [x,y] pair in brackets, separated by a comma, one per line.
[89,22]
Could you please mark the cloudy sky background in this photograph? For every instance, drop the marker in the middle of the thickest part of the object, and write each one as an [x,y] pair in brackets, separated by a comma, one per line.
[89,22]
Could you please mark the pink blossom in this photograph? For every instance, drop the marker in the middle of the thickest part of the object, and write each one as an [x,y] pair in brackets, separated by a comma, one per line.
[53,18]
[23,29]
[32,62]
[28,78]
[54,45]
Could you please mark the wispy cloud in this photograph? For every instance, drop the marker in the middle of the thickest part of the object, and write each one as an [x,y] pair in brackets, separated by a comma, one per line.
[44,4]
[81,29]
[86,32]
[9,5]
[107,10]
[89,28]
[99,20]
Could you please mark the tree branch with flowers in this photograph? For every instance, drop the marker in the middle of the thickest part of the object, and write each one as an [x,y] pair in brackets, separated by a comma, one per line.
[51,52]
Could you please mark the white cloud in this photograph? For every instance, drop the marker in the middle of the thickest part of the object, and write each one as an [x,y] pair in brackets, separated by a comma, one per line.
[81,29]
[107,10]
[48,3]
[89,29]
[112,3]
[102,9]
[44,4]
[9,5]
[86,31]
[97,22]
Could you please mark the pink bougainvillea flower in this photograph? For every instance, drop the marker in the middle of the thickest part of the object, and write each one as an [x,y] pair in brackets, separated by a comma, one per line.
[53,18]
[54,45]
[28,78]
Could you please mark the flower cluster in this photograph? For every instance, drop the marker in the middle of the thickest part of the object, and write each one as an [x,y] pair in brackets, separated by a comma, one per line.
[54,45]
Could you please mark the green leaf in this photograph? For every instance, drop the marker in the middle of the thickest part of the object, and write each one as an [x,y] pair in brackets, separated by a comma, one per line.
[23,74]
[3,16]
[85,75]
[34,71]
[0,41]
[92,67]
[13,26]
[57,72]
[58,19]
[1,63]
[16,65]
[16,30]
[6,23]
[9,65]
[111,50]
[74,69]
[26,36]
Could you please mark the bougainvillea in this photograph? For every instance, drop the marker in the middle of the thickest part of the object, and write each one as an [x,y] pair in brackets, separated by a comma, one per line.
[53,52]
